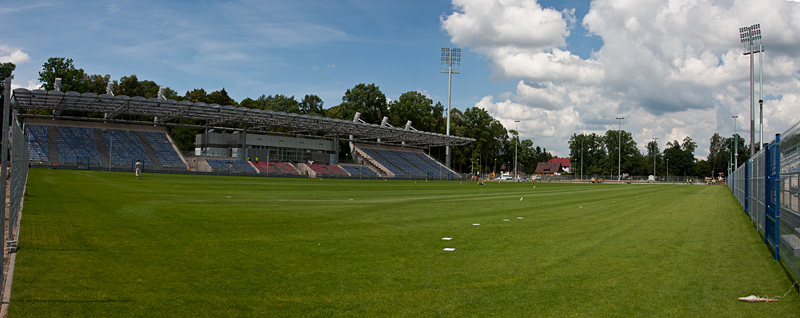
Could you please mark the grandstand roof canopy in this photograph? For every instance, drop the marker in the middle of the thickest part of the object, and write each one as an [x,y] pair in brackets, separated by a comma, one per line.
[214,114]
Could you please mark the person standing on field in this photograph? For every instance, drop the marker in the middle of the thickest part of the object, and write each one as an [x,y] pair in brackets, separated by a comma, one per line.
[137,168]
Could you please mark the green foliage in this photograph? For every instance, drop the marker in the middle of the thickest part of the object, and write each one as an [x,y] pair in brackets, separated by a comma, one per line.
[593,151]
[312,105]
[631,162]
[100,244]
[489,135]
[72,79]
[278,103]
[6,70]
[131,86]
[365,99]
[419,109]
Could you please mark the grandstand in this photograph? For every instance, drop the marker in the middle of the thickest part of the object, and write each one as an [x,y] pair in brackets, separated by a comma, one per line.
[307,145]
[95,145]
[400,162]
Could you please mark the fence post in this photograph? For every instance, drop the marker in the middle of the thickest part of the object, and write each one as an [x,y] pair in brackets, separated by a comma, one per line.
[3,163]
[747,176]
[777,183]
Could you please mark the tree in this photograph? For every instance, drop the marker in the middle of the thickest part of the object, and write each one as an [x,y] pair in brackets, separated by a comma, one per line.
[365,99]
[631,157]
[489,134]
[6,71]
[594,153]
[417,108]
[719,155]
[312,105]
[72,79]
[97,83]
[653,155]
[221,97]
[681,157]
[131,86]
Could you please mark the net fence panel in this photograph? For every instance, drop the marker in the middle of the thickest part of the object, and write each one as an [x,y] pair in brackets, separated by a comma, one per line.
[757,191]
[19,175]
[789,227]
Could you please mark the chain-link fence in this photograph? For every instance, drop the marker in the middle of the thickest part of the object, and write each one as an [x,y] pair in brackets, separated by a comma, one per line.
[768,188]
[19,175]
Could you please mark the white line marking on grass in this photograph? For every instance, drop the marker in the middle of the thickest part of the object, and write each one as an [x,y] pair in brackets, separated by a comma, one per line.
[449,249]
[446,238]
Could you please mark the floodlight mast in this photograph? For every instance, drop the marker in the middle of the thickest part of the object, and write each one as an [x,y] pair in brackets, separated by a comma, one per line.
[655,146]
[450,58]
[750,35]
[760,95]
[735,144]
[619,149]
[515,150]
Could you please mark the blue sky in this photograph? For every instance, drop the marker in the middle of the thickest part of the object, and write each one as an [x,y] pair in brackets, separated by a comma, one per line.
[672,69]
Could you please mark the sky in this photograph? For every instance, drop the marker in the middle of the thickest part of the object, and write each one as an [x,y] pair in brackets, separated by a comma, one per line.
[671,68]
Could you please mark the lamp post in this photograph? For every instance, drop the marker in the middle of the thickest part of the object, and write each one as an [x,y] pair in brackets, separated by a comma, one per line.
[450,58]
[735,144]
[516,142]
[619,149]
[655,146]
[751,35]
[667,169]
[583,136]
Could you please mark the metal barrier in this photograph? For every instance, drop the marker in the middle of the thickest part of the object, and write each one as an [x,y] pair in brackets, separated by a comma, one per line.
[768,188]
[19,176]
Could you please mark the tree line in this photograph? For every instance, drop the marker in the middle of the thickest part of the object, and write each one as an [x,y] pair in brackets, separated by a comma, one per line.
[492,151]
[493,147]
[617,152]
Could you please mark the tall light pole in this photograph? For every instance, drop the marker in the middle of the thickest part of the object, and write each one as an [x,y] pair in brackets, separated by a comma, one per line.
[450,58]
[619,149]
[655,146]
[750,35]
[735,144]
[583,137]
[515,150]
[760,95]
[667,169]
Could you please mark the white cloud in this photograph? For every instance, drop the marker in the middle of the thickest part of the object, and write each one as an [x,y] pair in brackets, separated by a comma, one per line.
[31,85]
[512,23]
[13,55]
[672,68]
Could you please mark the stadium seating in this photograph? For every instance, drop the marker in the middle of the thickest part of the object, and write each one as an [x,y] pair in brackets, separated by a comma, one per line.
[284,167]
[275,167]
[360,171]
[264,167]
[36,137]
[97,146]
[77,145]
[408,163]
[125,147]
[224,165]
[165,152]
[325,170]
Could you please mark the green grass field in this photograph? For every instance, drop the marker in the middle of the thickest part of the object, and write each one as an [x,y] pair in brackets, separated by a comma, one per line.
[101,244]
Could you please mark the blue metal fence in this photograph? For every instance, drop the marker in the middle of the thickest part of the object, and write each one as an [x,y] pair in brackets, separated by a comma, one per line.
[768,188]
